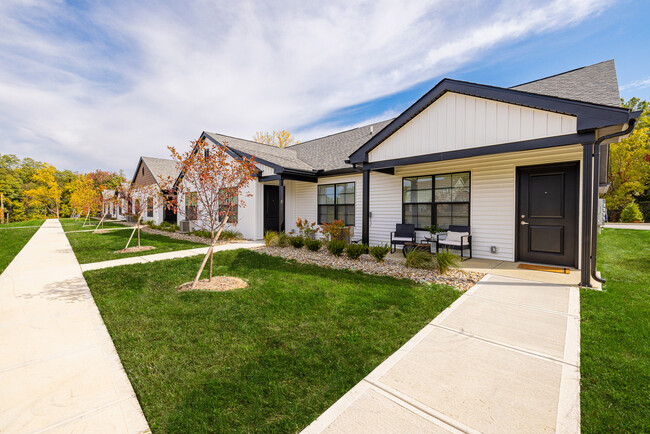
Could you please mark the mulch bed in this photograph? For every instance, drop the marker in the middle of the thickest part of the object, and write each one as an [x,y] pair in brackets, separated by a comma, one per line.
[136,249]
[218,284]
[458,278]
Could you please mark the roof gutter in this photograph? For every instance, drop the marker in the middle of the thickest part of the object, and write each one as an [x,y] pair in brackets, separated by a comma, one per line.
[596,178]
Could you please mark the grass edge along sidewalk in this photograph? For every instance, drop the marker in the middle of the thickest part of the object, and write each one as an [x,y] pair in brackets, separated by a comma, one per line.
[97,247]
[615,328]
[270,357]
[13,238]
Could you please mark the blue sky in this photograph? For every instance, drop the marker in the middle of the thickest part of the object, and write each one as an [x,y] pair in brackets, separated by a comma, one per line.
[88,85]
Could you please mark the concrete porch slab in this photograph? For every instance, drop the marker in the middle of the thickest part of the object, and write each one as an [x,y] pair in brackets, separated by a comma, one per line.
[509,269]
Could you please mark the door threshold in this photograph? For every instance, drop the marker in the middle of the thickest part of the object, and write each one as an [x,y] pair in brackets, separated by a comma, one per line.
[547,268]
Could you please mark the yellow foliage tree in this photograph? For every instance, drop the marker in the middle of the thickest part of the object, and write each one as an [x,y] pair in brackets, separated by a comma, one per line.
[281,139]
[47,192]
[85,197]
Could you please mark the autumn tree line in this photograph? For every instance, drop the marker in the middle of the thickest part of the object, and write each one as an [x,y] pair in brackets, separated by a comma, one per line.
[628,198]
[32,189]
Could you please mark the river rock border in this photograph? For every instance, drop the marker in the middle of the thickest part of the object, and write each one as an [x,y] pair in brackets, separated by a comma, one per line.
[458,278]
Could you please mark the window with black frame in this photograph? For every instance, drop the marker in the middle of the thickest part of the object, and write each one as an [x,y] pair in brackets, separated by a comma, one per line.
[150,207]
[336,202]
[441,200]
[191,206]
[228,199]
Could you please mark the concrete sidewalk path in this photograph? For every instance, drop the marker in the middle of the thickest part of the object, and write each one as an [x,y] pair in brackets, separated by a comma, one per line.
[502,358]
[635,226]
[169,255]
[59,371]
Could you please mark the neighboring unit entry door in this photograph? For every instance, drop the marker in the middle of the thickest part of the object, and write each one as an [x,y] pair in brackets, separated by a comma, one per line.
[271,208]
[547,214]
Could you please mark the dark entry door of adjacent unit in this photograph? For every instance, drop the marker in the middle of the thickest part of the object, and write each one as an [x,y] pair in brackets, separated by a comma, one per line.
[547,214]
[271,208]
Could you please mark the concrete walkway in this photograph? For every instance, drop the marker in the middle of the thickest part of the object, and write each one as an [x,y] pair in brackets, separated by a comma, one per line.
[503,358]
[59,371]
[169,255]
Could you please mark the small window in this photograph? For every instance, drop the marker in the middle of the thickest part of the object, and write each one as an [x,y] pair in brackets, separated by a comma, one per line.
[142,170]
[191,205]
[228,200]
[336,202]
[206,153]
[150,207]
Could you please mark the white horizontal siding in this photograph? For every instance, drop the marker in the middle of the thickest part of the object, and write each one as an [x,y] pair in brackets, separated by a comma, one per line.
[492,207]
[266,170]
[457,121]
[302,200]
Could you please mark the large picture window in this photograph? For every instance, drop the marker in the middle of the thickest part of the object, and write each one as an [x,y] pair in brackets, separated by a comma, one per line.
[191,205]
[441,200]
[336,202]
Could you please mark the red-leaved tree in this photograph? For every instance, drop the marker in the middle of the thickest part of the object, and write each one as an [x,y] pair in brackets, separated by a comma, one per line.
[213,188]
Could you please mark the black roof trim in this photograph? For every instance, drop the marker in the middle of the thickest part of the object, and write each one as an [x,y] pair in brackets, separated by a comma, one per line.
[590,116]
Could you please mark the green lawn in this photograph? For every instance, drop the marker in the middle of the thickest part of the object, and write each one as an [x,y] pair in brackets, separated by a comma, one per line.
[13,240]
[91,247]
[271,357]
[69,224]
[615,357]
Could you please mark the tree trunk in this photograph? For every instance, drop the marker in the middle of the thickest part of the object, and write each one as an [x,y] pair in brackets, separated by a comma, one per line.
[211,256]
[205,259]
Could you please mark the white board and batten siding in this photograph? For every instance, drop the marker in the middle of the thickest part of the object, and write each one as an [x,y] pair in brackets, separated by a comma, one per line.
[458,121]
[302,201]
[492,202]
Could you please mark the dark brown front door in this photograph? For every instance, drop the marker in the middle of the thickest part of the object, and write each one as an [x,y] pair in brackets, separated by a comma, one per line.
[547,214]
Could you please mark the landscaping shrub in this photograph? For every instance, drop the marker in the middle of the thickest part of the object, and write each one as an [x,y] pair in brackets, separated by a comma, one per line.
[335,230]
[283,240]
[355,250]
[202,234]
[379,252]
[270,238]
[307,229]
[313,245]
[446,260]
[297,242]
[417,258]
[336,247]
[631,213]
[229,234]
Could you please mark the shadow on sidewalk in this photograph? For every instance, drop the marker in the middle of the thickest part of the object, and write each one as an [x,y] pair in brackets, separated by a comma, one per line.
[69,291]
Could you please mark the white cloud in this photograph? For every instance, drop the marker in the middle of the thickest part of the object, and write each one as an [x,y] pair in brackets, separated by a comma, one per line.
[638,84]
[101,86]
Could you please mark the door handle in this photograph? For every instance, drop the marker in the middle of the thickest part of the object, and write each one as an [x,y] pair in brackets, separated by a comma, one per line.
[523,223]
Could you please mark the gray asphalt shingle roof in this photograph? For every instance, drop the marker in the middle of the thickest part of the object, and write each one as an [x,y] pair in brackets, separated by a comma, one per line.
[162,169]
[595,84]
[325,153]
[330,152]
[284,157]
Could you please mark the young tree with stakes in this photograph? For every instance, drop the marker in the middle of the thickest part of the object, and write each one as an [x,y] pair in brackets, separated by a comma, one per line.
[140,194]
[214,184]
